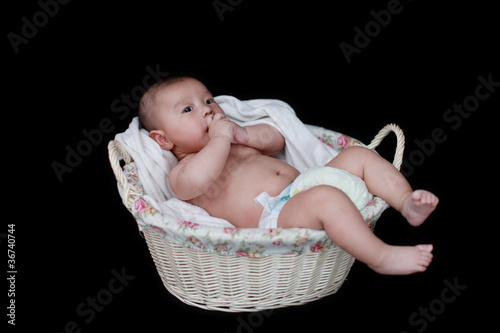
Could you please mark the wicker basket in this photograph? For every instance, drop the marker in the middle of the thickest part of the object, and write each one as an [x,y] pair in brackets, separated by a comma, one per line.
[229,283]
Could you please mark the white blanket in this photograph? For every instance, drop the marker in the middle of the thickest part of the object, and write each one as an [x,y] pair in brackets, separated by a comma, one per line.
[302,150]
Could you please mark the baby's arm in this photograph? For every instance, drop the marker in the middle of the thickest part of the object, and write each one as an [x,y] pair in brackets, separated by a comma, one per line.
[263,137]
[194,174]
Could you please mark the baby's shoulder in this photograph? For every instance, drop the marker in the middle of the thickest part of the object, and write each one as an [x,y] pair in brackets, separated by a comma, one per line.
[181,163]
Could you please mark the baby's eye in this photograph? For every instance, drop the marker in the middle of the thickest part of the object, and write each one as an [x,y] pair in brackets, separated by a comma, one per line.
[210,101]
[188,109]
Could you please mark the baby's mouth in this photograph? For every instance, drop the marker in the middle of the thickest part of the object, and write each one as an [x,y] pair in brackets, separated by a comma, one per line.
[210,118]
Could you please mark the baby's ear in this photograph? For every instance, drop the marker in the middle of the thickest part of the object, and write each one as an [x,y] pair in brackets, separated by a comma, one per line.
[160,138]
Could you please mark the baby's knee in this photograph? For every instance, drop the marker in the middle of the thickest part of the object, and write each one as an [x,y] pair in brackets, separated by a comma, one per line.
[352,160]
[358,152]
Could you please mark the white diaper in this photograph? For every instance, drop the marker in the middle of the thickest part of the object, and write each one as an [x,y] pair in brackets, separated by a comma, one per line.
[353,186]
[272,207]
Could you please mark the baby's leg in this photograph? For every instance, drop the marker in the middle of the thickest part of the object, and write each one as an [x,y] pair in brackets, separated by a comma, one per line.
[385,181]
[325,207]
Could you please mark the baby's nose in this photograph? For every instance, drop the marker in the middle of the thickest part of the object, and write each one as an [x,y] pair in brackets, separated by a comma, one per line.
[207,110]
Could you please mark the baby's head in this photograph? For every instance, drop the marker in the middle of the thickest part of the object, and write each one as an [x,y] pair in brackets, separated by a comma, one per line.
[177,112]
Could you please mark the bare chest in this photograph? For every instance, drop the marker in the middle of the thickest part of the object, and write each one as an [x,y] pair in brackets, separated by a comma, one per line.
[247,174]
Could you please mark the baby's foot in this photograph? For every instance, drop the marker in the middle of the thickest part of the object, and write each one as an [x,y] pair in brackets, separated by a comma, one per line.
[403,260]
[418,206]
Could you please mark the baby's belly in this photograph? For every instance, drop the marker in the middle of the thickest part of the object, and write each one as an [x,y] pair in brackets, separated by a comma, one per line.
[241,185]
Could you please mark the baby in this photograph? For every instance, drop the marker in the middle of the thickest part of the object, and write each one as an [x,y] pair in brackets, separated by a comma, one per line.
[224,167]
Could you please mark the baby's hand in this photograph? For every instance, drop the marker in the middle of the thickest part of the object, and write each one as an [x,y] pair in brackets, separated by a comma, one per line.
[240,134]
[221,126]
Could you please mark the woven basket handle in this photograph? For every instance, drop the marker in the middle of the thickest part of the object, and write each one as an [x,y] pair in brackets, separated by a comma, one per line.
[115,150]
[400,146]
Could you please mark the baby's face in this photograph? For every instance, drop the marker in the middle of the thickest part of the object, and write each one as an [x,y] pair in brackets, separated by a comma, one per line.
[186,109]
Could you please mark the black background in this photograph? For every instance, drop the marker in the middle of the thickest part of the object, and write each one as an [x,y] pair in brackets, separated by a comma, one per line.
[71,234]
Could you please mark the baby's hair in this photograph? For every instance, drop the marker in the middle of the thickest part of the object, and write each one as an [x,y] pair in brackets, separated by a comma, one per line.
[147,109]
